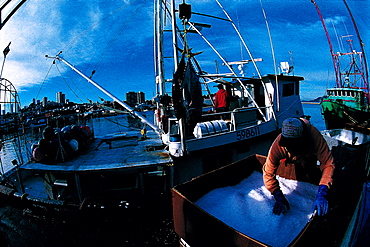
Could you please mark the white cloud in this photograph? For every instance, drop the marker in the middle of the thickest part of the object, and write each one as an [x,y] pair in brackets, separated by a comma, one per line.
[30,30]
[21,75]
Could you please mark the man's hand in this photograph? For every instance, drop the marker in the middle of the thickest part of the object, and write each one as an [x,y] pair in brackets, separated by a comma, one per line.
[281,204]
[321,203]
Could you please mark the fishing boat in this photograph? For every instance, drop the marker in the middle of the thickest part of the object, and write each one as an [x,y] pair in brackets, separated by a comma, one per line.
[116,169]
[198,138]
[53,174]
[185,139]
[243,215]
[347,104]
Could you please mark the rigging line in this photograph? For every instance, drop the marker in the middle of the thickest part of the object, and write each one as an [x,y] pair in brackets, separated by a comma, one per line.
[82,81]
[119,124]
[254,62]
[241,38]
[116,121]
[86,84]
[68,84]
[43,82]
[230,68]
[119,33]
[340,44]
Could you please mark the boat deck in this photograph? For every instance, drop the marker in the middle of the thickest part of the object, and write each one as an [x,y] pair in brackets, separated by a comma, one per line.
[124,150]
[35,187]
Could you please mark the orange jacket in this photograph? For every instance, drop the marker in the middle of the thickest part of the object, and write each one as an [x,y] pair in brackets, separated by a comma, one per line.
[318,150]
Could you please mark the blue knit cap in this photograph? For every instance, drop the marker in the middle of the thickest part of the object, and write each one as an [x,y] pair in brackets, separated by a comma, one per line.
[292,128]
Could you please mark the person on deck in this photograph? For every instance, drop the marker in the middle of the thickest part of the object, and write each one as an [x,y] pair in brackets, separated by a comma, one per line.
[221,99]
[296,151]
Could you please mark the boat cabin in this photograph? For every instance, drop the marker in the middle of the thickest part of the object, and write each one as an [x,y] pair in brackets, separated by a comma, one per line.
[353,97]
[253,102]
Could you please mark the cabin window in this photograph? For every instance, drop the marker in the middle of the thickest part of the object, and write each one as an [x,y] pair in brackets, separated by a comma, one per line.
[174,130]
[288,89]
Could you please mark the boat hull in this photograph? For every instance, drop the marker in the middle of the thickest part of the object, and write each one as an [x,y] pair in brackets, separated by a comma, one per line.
[115,171]
[202,161]
[340,111]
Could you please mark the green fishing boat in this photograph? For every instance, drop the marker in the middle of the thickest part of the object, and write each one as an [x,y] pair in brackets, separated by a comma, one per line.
[346,106]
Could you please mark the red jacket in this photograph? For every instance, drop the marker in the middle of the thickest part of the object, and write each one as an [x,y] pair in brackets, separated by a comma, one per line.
[221,98]
[318,150]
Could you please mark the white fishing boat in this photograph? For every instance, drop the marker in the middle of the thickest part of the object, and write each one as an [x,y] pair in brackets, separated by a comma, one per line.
[198,138]
[182,132]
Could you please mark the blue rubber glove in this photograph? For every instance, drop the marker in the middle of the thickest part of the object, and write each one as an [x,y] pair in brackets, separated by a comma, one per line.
[321,203]
[281,204]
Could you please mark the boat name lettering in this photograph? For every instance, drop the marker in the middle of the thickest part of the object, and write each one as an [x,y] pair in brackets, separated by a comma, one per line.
[247,133]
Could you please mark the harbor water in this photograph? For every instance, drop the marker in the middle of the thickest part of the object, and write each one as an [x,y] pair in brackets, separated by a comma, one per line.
[313,110]
[21,151]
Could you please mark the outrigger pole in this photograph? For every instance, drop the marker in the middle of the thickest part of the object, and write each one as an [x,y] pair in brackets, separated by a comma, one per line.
[127,107]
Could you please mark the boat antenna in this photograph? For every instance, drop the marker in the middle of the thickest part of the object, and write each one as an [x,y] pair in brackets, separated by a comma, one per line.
[127,107]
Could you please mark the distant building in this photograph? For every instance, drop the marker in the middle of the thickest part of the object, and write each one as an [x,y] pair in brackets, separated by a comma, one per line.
[44,101]
[134,98]
[131,98]
[140,97]
[61,98]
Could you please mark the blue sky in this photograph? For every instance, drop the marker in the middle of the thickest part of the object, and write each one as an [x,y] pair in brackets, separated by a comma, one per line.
[115,38]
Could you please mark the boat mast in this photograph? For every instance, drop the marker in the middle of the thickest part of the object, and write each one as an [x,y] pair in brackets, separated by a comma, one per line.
[159,48]
[174,35]
[127,107]
[334,57]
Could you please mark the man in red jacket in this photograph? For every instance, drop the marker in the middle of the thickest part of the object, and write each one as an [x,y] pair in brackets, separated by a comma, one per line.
[221,99]
[298,148]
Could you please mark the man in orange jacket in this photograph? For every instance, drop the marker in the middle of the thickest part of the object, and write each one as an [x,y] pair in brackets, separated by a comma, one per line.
[298,148]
